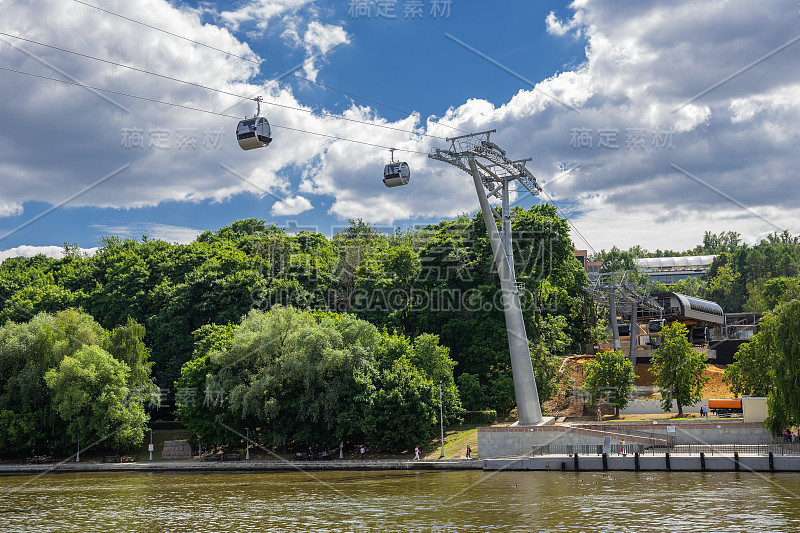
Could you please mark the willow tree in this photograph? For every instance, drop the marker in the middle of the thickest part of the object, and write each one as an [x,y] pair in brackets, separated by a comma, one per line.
[752,373]
[783,402]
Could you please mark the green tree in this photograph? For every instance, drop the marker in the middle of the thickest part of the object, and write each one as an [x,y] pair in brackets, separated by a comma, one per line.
[404,409]
[767,294]
[752,374]
[727,241]
[610,377]
[471,392]
[501,393]
[545,371]
[690,286]
[126,344]
[678,369]
[198,405]
[18,431]
[722,288]
[31,419]
[783,402]
[90,393]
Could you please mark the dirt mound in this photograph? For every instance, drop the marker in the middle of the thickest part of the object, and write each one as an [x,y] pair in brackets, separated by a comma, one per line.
[569,401]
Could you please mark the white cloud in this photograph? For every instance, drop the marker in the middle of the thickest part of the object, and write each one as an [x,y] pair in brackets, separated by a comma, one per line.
[10,209]
[291,206]
[319,39]
[260,12]
[153,230]
[56,252]
[643,61]
[557,27]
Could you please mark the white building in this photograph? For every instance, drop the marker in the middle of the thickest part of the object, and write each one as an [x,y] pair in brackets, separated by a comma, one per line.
[671,269]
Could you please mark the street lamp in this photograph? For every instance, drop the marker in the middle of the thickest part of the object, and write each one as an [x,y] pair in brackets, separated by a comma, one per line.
[247,451]
[150,448]
[441,418]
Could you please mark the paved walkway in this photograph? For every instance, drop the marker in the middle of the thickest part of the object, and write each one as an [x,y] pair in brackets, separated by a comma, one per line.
[243,466]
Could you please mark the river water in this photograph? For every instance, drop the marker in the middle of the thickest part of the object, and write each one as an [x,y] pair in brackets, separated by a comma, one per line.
[408,501]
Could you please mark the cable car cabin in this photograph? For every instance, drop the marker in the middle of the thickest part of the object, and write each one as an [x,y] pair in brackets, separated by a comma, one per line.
[654,328]
[396,174]
[253,133]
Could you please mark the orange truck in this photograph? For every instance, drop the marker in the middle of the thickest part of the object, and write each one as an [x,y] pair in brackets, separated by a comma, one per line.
[725,406]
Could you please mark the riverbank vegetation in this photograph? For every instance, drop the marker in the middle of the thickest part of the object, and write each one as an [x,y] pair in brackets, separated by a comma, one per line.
[307,338]
[417,296]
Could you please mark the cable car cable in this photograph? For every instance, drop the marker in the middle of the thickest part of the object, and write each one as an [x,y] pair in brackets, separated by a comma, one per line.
[259,62]
[76,84]
[569,222]
[319,113]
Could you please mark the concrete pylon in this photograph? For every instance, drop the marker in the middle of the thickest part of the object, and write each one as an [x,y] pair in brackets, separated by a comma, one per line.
[528,408]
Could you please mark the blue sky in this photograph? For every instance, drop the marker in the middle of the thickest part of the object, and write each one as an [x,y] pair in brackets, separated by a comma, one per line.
[681,117]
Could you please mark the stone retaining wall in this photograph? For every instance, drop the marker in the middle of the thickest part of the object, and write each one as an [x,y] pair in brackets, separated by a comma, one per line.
[176,449]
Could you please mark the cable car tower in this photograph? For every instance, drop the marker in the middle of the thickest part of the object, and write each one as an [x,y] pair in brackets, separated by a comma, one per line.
[493,172]
[620,294]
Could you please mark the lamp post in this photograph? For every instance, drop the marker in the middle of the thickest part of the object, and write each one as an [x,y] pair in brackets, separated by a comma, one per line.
[441,418]
[78,455]
[150,448]
[247,451]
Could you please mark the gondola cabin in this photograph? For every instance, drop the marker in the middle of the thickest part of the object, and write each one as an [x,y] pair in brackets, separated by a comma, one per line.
[253,133]
[396,173]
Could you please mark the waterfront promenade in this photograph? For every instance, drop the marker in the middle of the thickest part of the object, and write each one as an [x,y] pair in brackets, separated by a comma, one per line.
[691,462]
[242,466]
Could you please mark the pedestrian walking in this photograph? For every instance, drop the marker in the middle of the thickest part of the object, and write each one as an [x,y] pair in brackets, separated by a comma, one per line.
[469,452]
[416,453]
[363,452]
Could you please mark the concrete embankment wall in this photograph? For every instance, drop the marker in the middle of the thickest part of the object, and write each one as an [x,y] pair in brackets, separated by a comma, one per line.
[663,462]
[510,441]
[711,432]
[520,440]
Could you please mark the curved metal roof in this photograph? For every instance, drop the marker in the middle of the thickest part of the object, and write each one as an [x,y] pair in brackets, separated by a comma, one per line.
[690,303]
[682,261]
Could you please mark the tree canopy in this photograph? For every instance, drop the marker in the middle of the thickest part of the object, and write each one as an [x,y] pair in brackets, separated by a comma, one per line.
[678,369]
[437,279]
[316,378]
[610,377]
[64,377]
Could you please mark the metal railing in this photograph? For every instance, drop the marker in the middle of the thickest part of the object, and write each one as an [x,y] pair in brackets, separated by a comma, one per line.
[585,449]
[711,449]
[642,449]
